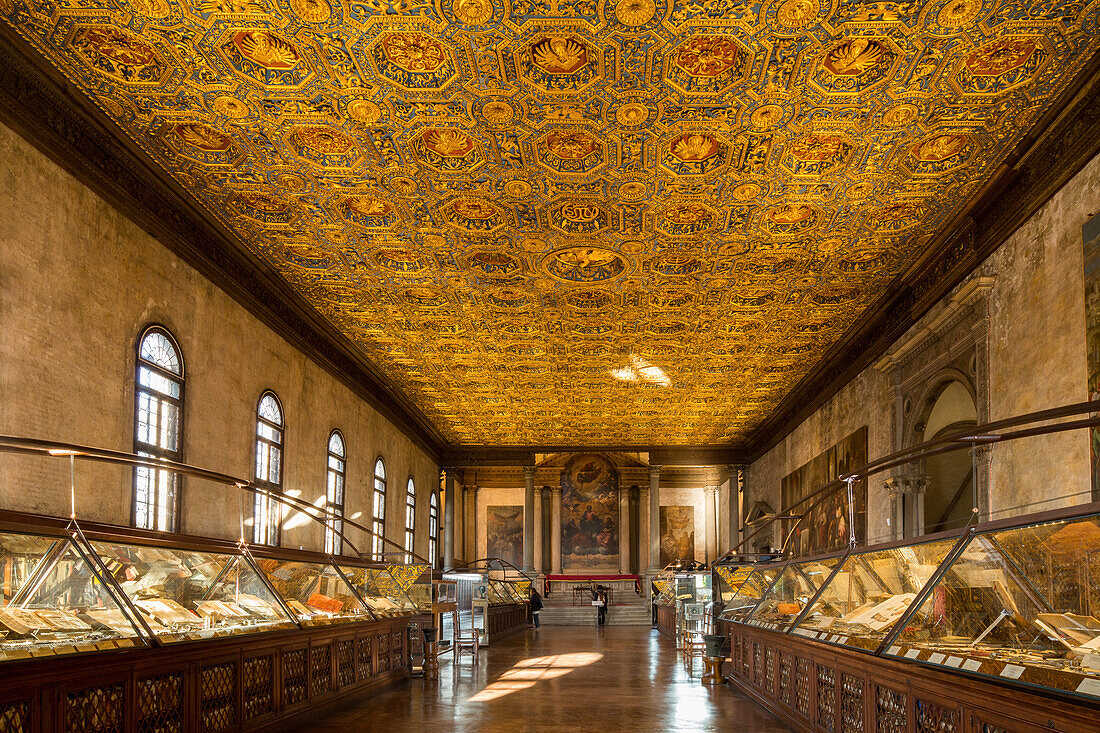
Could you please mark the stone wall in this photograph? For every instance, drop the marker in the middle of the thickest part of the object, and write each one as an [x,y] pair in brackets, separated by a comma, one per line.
[1036,360]
[78,283]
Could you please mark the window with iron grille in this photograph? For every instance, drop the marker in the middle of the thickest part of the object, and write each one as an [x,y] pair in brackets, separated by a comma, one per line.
[334,494]
[158,429]
[410,520]
[266,512]
[378,513]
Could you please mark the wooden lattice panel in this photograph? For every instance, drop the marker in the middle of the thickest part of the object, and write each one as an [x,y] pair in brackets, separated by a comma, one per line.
[259,687]
[95,710]
[851,704]
[218,697]
[15,717]
[786,689]
[934,718]
[345,662]
[365,658]
[826,697]
[383,653]
[160,704]
[890,711]
[320,663]
[294,677]
[757,663]
[802,687]
[990,728]
[397,650]
[769,670]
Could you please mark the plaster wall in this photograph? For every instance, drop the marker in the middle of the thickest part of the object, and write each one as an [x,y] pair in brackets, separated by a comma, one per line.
[78,283]
[695,498]
[487,497]
[1036,361]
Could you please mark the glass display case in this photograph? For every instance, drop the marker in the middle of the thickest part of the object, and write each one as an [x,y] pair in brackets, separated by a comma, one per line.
[497,594]
[1020,604]
[793,589]
[185,594]
[54,603]
[748,595]
[382,594]
[728,578]
[870,592]
[316,593]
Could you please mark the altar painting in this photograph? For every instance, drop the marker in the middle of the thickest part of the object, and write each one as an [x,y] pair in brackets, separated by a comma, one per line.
[590,514]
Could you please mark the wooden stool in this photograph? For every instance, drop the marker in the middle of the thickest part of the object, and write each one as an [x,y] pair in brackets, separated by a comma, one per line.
[712,671]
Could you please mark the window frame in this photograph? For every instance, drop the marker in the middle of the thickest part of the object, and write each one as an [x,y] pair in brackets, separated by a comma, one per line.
[433,528]
[334,543]
[152,449]
[378,501]
[273,535]
[410,520]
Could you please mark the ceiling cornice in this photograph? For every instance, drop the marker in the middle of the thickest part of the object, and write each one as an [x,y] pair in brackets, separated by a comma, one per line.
[1058,147]
[58,119]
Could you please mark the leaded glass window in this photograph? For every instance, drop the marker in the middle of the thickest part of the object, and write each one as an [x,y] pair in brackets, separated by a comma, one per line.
[334,493]
[158,429]
[266,513]
[378,513]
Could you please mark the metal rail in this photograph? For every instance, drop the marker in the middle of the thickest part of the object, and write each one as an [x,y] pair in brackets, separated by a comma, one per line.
[74,451]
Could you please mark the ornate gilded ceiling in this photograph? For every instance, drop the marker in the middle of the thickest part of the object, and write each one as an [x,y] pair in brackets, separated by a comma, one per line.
[570,221]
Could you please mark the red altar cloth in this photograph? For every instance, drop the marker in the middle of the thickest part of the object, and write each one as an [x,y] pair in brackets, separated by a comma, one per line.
[591,576]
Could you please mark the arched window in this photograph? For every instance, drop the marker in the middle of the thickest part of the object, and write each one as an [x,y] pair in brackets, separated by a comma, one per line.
[378,522]
[266,511]
[433,527]
[158,428]
[410,520]
[334,493]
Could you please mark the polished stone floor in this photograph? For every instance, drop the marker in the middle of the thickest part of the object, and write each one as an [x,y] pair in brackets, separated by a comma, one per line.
[563,678]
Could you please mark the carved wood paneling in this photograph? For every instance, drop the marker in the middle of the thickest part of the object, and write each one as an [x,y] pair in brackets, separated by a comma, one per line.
[259,686]
[786,686]
[294,677]
[345,662]
[95,710]
[891,711]
[935,718]
[15,717]
[851,703]
[218,697]
[826,697]
[159,704]
[802,686]
[769,670]
[320,672]
[365,657]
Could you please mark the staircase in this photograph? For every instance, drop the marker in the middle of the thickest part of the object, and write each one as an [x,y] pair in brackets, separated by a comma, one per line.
[563,614]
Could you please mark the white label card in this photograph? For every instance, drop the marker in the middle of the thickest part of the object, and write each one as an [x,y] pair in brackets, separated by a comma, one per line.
[972,665]
[912,654]
[1089,686]
[935,658]
[953,661]
[1012,671]
[893,651]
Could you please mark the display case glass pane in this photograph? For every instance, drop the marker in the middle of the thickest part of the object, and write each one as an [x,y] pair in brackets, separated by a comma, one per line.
[871,592]
[730,578]
[1021,605]
[185,594]
[497,595]
[383,595]
[750,593]
[53,602]
[446,591]
[792,590]
[316,593]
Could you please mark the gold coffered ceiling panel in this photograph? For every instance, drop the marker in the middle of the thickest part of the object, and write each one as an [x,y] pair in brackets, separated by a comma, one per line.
[570,221]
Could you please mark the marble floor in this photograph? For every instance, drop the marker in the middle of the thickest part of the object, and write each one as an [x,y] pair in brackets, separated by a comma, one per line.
[563,678]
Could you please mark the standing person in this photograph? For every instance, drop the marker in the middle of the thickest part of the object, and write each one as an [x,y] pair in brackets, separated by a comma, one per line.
[601,607]
[536,605]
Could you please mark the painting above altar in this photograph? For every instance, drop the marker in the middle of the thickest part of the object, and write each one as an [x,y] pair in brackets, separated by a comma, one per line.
[589,514]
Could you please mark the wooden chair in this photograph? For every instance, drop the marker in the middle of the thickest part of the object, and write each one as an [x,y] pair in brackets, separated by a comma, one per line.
[466,640]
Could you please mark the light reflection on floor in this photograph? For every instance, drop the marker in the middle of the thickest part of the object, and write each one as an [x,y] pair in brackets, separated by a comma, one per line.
[526,672]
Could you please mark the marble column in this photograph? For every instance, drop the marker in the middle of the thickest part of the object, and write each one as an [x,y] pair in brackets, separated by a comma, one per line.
[643,528]
[537,565]
[555,530]
[448,559]
[906,493]
[654,519]
[529,519]
[624,531]
[471,523]
[710,497]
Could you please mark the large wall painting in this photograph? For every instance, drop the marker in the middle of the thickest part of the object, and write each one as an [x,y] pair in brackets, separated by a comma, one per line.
[826,527]
[590,515]
[677,534]
[504,533]
[1090,233]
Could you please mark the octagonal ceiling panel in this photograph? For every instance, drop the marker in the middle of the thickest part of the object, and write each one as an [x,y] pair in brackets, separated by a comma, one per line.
[564,222]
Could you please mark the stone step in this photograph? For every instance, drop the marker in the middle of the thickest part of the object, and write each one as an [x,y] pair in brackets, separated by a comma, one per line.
[585,616]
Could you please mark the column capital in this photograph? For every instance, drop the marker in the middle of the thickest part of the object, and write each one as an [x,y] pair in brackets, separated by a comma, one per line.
[529,472]
[906,484]
[538,490]
[654,471]
[555,491]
